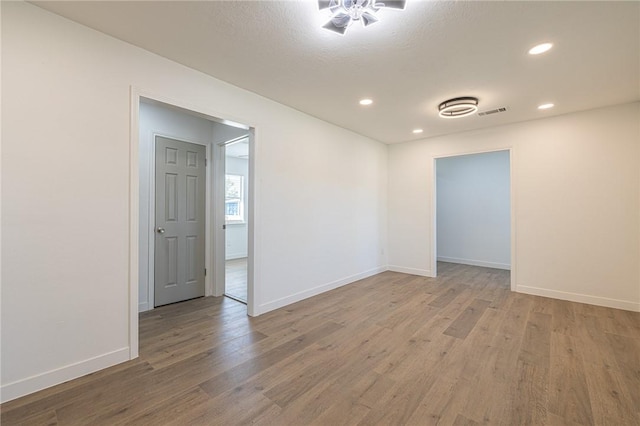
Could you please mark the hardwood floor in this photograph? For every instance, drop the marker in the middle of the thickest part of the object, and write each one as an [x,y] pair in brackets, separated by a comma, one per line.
[236,278]
[392,349]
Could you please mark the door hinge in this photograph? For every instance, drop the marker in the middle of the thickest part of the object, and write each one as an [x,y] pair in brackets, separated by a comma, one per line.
[205,162]
[224,226]
[205,272]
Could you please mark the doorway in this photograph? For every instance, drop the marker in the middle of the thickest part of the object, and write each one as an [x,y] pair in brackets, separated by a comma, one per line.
[163,121]
[236,219]
[472,210]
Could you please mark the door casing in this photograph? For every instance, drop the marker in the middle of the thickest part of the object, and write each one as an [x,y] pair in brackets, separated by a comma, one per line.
[213,221]
[433,209]
[218,161]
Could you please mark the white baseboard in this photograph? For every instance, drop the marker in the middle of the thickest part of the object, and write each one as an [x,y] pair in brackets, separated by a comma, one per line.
[411,271]
[60,375]
[475,262]
[279,303]
[580,298]
[142,307]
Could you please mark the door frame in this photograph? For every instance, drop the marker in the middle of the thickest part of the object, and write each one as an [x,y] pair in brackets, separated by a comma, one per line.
[219,237]
[136,95]
[208,285]
[433,209]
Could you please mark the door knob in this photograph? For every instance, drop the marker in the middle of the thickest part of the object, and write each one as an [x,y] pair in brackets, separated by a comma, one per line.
[160,230]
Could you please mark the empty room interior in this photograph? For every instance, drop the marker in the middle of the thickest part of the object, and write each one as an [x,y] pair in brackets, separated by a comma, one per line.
[333,212]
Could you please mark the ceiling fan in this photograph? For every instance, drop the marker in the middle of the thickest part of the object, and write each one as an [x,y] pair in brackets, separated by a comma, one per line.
[344,12]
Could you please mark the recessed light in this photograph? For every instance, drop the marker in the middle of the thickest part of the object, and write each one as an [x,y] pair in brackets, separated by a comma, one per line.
[540,48]
[416,131]
[366,101]
[545,106]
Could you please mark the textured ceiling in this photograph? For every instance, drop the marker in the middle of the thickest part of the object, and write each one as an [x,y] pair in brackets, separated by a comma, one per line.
[407,63]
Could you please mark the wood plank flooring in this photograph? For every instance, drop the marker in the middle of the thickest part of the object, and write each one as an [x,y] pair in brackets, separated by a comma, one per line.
[392,349]
[236,278]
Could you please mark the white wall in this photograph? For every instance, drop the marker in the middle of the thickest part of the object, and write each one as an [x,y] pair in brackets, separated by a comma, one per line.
[236,233]
[473,209]
[66,107]
[576,183]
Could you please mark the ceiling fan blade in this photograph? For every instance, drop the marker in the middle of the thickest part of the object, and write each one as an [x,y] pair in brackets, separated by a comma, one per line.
[336,29]
[391,4]
[338,23]
[325,4]
[369,18]
[332,5]
[341,20]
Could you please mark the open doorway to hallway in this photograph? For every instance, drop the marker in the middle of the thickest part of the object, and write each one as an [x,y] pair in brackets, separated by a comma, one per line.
[473,209]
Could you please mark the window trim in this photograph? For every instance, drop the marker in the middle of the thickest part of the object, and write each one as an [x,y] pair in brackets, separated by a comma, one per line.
[240,218]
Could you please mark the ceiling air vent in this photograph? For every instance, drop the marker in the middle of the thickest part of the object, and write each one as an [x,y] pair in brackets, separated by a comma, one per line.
[492,111]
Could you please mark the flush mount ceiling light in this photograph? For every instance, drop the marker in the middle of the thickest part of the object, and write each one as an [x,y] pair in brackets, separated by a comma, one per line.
[458,107]
[344,12]
[545,106]
[417,131]
[365,102]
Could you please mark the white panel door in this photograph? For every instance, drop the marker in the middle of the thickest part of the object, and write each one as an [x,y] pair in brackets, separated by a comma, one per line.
[180,221]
